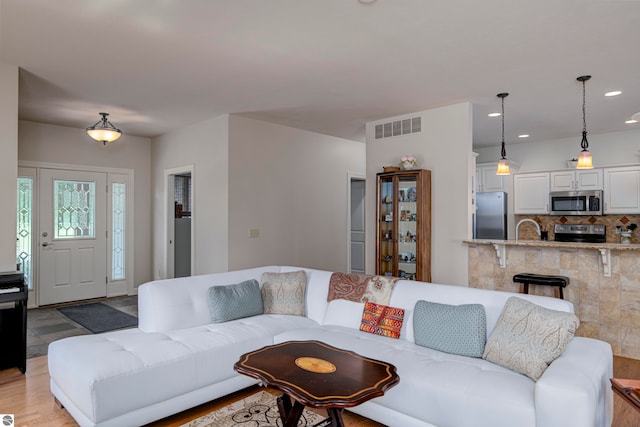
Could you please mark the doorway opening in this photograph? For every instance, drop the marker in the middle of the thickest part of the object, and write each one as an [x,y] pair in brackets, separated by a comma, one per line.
[179,193]
[356,222]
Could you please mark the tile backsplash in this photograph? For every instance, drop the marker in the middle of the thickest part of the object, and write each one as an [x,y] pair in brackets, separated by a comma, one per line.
[546,222]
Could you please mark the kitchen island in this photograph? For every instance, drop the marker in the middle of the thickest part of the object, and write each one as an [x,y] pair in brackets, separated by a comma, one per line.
[604,287]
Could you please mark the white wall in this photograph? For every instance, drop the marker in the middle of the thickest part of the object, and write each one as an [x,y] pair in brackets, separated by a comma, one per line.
[205,146]
[8,164]
[608,149]
[444,147]
[39,142]
[291,185]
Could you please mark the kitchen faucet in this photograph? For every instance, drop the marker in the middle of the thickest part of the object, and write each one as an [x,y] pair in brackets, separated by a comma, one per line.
[527,220]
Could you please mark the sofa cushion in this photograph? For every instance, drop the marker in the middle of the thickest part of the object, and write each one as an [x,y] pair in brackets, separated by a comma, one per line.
[456,329]
[436,388]
[344,313]
[230,302]
[382,320]
[122,371]
[283,293]
[527,337]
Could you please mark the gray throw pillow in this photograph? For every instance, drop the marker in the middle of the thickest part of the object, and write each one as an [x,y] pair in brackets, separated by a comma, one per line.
[528,337]
[283,293]
[455,329]
[231,302]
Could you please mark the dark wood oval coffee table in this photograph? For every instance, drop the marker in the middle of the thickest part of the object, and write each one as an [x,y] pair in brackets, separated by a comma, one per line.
[317,375]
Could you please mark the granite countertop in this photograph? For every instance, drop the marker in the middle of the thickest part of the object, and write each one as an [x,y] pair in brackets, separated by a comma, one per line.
[554,244]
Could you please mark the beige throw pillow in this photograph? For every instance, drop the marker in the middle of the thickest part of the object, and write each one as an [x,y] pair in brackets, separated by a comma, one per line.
[283,293]
[528,337]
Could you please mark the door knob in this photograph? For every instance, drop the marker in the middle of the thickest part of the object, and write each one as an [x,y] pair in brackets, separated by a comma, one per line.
[45,244]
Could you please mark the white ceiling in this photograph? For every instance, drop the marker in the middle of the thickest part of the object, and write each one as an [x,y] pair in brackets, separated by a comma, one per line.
[327,66]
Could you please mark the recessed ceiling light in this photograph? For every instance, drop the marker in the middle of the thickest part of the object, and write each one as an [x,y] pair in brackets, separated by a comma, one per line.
[366,1]
[524,135]
[631,121]
[494,114]
[613,93]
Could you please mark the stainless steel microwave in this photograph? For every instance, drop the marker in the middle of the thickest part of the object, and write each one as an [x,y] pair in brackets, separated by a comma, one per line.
[576,202]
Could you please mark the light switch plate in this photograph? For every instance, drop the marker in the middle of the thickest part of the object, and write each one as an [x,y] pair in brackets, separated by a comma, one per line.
[254,233]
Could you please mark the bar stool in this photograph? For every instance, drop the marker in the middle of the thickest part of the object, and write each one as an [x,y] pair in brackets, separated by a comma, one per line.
[526,279]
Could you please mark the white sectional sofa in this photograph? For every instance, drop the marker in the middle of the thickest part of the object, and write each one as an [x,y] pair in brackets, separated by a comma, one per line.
[177,359]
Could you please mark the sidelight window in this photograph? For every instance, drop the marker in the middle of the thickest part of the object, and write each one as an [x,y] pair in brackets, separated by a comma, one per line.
[24,256]
[118,234]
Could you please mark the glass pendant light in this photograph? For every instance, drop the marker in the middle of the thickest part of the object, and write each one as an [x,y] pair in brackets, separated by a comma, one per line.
[103,130]
[585,161]
[503,163]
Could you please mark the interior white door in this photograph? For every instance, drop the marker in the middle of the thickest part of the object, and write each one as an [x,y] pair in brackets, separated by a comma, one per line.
[357,226]
[72,240]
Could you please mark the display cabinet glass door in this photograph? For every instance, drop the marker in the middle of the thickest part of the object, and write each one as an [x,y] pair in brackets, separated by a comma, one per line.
[387,240]
[397,227]
[407,231]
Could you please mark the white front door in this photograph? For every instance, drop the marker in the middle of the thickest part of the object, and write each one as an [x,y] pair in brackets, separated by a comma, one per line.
[72,240]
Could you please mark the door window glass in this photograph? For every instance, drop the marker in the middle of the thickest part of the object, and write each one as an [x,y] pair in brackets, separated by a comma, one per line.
[74,209]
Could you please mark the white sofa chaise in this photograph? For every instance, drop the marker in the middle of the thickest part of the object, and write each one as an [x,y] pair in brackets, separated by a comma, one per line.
[176,359]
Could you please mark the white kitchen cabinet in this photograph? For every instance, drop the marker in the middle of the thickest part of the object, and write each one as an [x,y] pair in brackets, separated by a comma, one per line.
[622,190]
[531,193]
[487,180]
[574,180]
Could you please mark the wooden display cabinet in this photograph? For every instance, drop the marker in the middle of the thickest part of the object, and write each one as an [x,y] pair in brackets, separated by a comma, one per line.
[403,242]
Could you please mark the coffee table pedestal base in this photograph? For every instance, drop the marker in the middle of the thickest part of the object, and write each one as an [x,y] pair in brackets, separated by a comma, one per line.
[290,413]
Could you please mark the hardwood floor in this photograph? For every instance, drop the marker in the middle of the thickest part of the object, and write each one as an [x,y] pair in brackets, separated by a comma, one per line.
[28,398]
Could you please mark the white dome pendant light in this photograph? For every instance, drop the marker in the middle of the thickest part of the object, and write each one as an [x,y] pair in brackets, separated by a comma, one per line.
[104,131]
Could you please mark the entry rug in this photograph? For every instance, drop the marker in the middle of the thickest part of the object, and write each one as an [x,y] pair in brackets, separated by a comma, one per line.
[98,317]
[259,409]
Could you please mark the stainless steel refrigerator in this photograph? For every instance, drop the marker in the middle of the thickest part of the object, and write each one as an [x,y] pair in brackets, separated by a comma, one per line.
[490,219]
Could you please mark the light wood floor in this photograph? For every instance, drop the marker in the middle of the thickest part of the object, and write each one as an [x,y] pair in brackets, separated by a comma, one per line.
[28,398]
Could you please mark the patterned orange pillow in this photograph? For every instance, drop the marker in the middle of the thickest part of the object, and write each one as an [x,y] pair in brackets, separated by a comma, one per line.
[382,320]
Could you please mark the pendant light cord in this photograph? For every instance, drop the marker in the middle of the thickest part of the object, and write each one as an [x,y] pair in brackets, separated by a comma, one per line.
[584,107]
[503,152]
[584,144]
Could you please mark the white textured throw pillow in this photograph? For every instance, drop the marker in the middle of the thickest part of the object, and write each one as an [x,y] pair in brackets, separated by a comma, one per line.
[527,337]
[283,293]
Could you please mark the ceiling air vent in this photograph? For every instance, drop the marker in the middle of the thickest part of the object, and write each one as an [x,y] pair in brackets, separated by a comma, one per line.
[398,127]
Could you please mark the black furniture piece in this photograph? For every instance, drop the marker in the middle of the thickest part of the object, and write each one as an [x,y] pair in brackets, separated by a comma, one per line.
[13,321]
[526,279]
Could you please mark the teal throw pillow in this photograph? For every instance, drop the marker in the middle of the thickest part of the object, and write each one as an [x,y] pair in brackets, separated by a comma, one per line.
[231,302]
[456,329]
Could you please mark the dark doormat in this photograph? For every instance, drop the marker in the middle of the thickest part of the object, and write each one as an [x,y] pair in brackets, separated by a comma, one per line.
[98,317]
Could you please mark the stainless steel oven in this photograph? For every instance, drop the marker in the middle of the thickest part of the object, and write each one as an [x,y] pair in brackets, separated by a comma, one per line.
[589,233]
[576,202]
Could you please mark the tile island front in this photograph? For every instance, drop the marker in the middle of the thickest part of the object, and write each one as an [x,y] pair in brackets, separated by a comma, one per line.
[604,281]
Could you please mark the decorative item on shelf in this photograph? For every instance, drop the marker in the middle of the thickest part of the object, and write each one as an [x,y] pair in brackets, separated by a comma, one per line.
[571,164]
[103,130]
[585,161]
[390,168]
[408,162]
[626,233]
[503,163]
[411,194]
